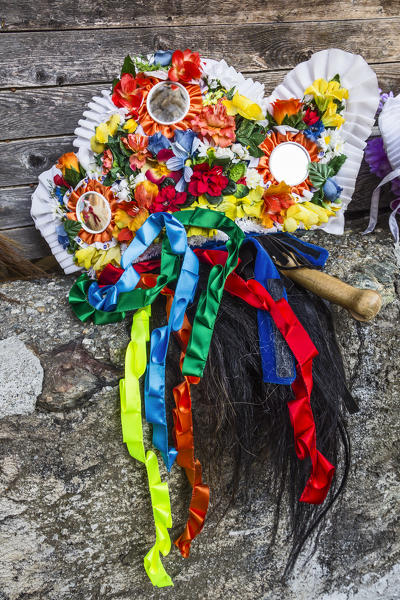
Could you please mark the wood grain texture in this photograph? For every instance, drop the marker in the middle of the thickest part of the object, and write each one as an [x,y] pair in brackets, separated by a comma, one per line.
[90,56]
[32,243]
[20,15]
[15,206]
[22,162]
[40,112]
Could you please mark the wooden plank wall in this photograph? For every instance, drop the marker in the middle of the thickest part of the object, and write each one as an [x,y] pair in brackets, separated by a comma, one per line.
[55,55]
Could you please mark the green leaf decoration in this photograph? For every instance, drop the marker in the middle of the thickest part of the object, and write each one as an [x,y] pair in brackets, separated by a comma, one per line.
[167,181]
[231,93]
[318,173]
[230,188]
[336,78]
[82,171]
[255,151]
[72,177]
[72,228]
[241,191]
[237,171]
[189,201]
[128,66]
[214,200]
[336,163]
[109,180]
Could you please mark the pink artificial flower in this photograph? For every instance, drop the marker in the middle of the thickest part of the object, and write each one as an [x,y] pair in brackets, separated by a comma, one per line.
[214,123]
[138,145]
[107,160]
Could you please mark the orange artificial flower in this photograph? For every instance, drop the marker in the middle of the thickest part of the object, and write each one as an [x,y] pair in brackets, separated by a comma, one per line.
[68,161]
[145,193]
[277,199]
[283,108]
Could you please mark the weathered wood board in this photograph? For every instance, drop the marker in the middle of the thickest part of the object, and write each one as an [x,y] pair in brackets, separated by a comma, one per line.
[55,56]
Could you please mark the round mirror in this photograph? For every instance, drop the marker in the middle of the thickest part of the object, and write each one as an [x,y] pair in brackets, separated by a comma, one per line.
[288,162]
[168,102]
[93,211]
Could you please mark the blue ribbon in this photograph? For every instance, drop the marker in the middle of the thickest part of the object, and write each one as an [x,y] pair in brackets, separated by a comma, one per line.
[154,391]
[105,298]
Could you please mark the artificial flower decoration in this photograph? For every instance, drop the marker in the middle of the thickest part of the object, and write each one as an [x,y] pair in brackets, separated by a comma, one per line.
[286,108]
[240,105]
[138,145]
[324,92]
[185,66]
[216,157]
[214,123]
[68,161]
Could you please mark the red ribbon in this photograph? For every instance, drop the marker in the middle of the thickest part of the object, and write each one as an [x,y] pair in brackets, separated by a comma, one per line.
[300,410]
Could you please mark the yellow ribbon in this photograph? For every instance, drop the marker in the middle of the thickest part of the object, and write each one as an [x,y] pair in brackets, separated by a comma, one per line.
[131,419]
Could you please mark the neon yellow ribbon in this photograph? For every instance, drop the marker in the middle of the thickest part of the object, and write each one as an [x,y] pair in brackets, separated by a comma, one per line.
[131,419]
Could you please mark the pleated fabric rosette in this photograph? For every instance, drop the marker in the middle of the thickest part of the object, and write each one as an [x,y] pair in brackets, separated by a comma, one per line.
[184,151]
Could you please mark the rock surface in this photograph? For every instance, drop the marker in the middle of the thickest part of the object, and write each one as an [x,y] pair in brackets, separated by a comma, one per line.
[21,377]
[75,518]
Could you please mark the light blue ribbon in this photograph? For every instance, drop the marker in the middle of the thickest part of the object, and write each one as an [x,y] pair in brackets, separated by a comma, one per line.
[105,298]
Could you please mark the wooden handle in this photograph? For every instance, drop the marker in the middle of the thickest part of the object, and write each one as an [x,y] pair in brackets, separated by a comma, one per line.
[363,305]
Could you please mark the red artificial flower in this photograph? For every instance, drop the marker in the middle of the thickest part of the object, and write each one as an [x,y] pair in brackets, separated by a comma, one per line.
[60,181]
[310,117]
[207,181]
[129,91]
[125,235]
[168,199]
[185,66]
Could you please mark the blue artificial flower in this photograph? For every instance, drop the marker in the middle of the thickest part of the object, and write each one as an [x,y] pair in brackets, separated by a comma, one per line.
[158,142]
[331,190]
[314,131]
[184,146]
[63,238]
[59,194]
[163,57]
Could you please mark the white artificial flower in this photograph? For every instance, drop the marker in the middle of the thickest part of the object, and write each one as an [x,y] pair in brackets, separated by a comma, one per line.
[223,153]
[253,179]
[240,151]
[134,181]
[332,143]
[202,148]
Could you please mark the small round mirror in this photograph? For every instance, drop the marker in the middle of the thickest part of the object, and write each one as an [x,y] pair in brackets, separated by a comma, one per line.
[288,162]
[168,102]
[93,211]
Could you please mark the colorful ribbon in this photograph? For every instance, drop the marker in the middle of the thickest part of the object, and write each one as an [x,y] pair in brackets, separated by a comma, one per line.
[300,410]
[131,419]
[209,301]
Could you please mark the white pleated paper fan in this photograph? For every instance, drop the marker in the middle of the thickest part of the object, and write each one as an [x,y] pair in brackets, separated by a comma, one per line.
[43,212]
[358,77]
[389,125]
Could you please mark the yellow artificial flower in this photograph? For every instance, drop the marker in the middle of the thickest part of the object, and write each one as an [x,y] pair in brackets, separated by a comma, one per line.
[109,128]
[97,259]
[130,125]
[129,219]
[331,118]
[325,91]
[307,213]
[244,107]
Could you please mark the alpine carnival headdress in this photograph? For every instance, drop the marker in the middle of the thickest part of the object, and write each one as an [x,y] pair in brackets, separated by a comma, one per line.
[188,182]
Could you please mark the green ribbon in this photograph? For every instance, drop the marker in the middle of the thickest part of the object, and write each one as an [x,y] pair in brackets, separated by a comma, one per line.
[132,430]
[209,301]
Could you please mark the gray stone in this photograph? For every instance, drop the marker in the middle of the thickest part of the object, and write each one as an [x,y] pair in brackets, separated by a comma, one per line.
[21,377]
[75,514]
